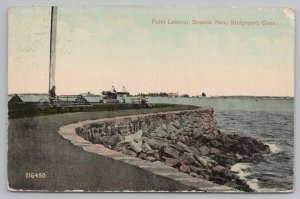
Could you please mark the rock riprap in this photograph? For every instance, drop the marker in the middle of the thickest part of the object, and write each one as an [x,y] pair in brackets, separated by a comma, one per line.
[186,140]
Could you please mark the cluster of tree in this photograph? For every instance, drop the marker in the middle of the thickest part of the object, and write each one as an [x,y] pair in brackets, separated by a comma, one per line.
[164,94]
[160,94]
[185,95]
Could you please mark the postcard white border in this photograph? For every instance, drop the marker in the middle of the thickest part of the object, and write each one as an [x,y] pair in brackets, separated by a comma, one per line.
[4,4]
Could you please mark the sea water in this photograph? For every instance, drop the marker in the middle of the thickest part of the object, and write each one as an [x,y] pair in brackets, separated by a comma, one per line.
[270,120]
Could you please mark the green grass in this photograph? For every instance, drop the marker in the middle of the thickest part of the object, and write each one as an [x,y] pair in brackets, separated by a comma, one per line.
[30,109]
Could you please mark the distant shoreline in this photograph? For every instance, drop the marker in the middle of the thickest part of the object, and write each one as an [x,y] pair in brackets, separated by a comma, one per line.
[228,96]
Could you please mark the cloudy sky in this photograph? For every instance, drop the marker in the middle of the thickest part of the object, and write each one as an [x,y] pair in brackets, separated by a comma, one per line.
[98,47]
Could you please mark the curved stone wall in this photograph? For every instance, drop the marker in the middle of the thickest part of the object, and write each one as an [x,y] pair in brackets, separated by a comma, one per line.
[185,144]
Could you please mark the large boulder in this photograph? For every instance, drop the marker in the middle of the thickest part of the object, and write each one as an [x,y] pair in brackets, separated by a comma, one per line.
[154,143]
[170,128]
[172,162]
[170,152]
[145,127]
[146,147]
[156,156]
[132,142]
[219,169]
[123,145]
[97,139]
[197,133]
[188,158]
[176,124]
[173,136]
[204,150]
[184,168]
[129,152]
[209,136]
[161,132]
[113,140]
[104,139]
[136,146]
[245,145]
[188,129]
[182,147]
[142,156]
[217,143]
[135,136]
[150,158]
[214,151]
[206,162]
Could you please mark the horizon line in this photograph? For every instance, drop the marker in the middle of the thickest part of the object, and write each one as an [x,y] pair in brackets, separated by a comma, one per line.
[179,95]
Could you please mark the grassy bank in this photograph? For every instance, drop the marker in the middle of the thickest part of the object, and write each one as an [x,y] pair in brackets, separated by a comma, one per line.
[31,109]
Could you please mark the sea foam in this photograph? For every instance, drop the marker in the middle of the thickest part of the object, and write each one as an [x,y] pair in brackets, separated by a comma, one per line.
[273,147]
[241,170]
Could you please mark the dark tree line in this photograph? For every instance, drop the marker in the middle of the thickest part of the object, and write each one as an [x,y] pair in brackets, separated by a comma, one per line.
[164,94]
[160,94]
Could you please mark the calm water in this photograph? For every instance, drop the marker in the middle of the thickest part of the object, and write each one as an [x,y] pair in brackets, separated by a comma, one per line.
[270,120]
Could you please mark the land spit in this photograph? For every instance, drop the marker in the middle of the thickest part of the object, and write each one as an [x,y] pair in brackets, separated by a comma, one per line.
[184,145]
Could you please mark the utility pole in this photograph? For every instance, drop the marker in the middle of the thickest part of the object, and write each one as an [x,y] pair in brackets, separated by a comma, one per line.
[52,47]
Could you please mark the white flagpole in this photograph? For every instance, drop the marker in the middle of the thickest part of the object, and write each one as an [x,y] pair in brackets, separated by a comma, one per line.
[52,47]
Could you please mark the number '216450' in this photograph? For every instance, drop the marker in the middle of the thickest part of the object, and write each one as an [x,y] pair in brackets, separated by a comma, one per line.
[35,175]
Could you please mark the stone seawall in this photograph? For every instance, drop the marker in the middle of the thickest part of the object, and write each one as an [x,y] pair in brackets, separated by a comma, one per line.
[186,141]
[178,125]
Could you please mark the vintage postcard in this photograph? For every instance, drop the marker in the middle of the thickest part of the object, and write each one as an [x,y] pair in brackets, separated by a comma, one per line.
[150,98]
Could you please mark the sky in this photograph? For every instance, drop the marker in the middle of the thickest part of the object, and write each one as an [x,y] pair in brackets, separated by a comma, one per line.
[98,47]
